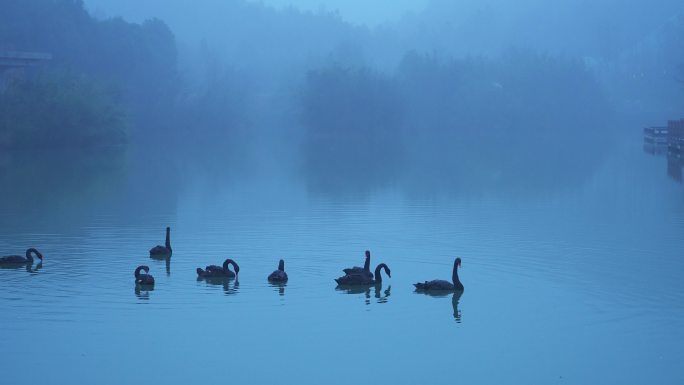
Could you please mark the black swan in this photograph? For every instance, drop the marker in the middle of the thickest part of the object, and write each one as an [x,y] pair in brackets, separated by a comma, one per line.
[143,279]
[442,285]
[163,251]
[19,260]
[213,271]
[356,270]
[362,279]
[279,275]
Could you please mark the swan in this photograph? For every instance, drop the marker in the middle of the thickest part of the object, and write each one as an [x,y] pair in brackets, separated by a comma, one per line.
[213,271]
[143,279]
[19,260]
[442,285]
[163,251]
[279,275]
[362,279]
[365,270]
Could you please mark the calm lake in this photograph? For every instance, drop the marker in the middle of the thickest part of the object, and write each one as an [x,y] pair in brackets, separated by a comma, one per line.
[568,280]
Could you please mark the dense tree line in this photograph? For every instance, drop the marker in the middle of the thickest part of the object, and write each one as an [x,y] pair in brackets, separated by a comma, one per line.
[60,110]
[360,109]
[516,111]
[135,62]
[354,123]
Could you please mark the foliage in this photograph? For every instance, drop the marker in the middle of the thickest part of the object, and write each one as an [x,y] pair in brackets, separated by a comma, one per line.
[509,114]
[59,111]
[354,123]
[140,59]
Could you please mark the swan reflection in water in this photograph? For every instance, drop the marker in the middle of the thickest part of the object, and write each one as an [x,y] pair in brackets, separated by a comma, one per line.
[279,286]
[166,259]
[455,298]
[31,270]
[143,291]
[222,281]
[454,304]
[381,296]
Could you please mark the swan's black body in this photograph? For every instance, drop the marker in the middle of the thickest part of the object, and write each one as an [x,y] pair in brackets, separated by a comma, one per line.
[365,270]
[163,251]
[19,260]
[143,279]
[213,271]
[442,285]
[279,275]
[363,279]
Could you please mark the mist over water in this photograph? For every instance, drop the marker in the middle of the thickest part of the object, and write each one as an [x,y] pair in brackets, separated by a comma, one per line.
[508,135]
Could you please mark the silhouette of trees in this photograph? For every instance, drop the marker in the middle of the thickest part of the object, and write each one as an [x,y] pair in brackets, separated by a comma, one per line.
[59,111]
[354,124]
[509,113]
[137,59]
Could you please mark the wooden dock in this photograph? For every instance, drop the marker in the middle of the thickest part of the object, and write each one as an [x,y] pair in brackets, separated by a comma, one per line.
[667,141]
[19,59]
[675,138]
[656,135]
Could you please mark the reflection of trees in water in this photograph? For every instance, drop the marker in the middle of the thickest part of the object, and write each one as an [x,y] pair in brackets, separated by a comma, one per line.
[381,296]
[503,166]
[59,185]
[477,165]
[63,189]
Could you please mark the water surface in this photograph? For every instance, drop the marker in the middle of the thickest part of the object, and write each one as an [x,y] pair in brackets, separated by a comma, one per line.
[568,280]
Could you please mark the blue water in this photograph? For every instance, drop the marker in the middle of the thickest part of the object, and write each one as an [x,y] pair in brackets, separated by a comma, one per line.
[577,283]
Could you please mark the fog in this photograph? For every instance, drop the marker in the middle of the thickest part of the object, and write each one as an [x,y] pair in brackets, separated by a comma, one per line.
[354,11]
[506,133]
[360,88]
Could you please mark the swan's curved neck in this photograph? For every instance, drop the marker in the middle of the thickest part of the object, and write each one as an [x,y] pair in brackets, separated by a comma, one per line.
[167,244]
[31,251]
[281,265]
[454,276]
[229,261]
[137,271]
[378,275]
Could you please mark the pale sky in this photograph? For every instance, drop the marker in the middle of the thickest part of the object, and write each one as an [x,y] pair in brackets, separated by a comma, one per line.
[370,12]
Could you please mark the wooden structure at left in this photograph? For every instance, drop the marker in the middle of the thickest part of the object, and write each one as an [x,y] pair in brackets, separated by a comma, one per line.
[19,59]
